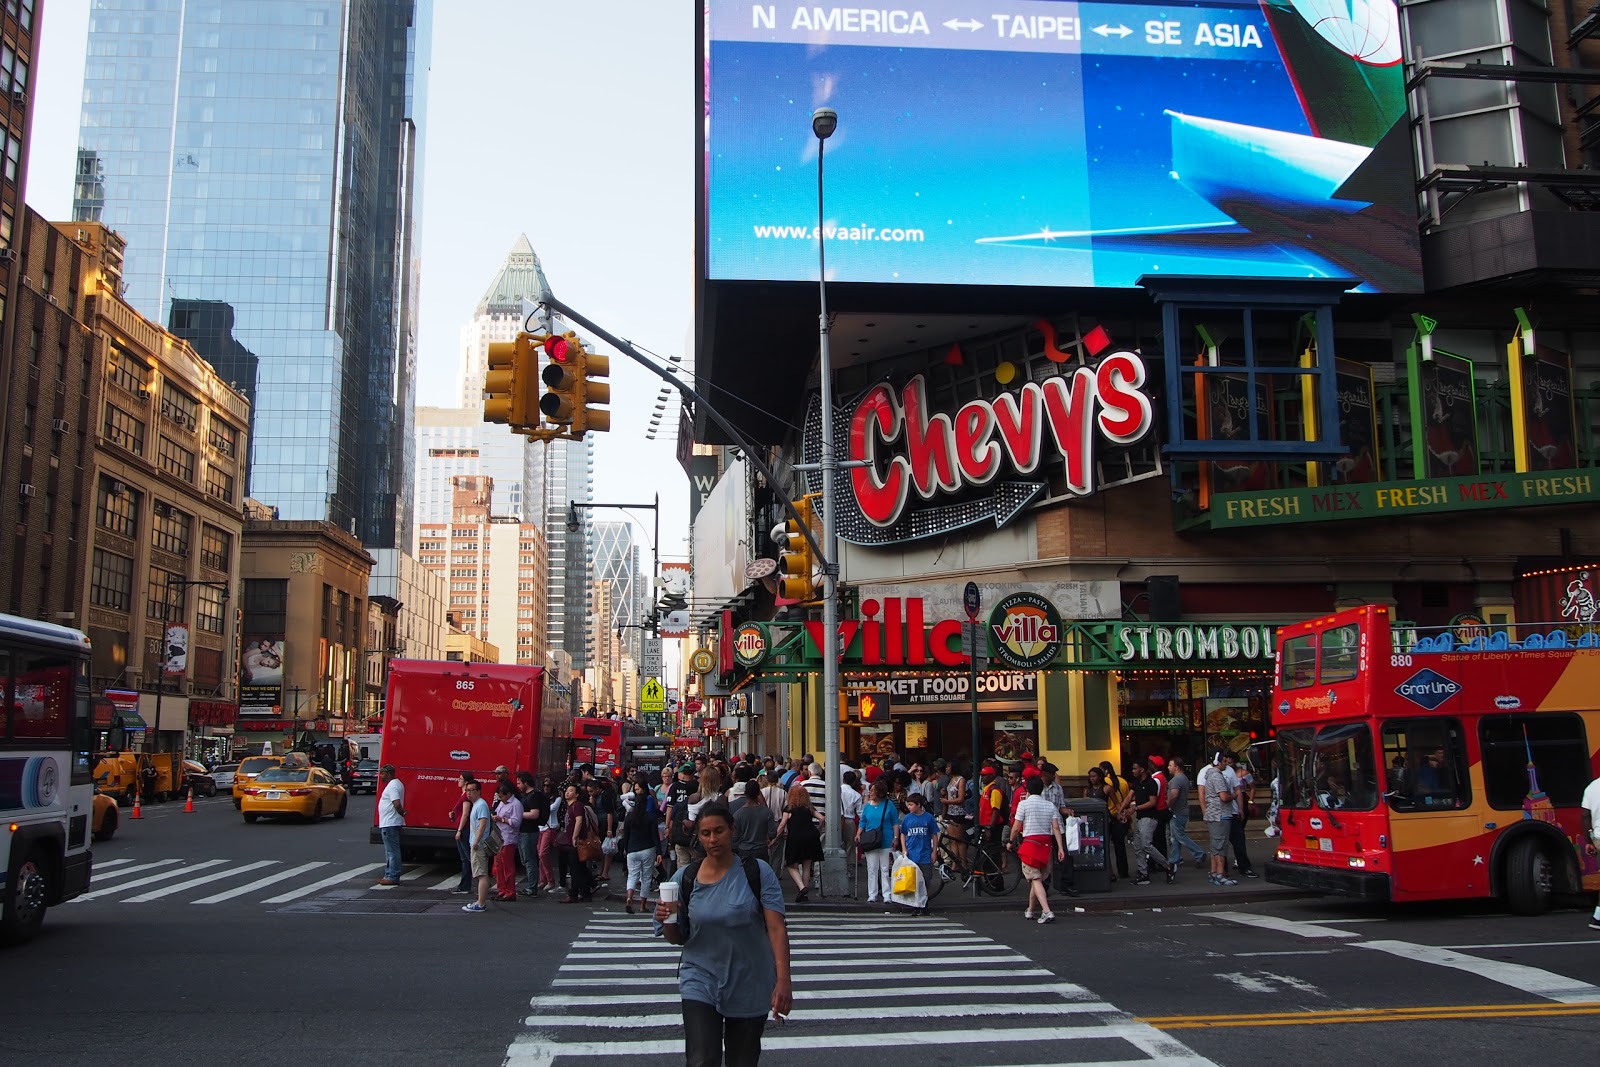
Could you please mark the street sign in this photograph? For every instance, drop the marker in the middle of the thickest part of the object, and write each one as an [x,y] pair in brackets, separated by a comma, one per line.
[650,658]
[653,697]
[973,635]
[971,601]
[702,661]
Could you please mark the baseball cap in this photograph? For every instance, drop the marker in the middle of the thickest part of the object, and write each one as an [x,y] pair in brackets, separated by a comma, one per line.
[1158,762]
[940,764]
[988,768]
[1030,771]
[686,768]
[502,769]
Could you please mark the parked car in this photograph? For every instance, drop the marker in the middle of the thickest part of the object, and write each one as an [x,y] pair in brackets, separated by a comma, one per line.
[222,774]
[309,793]
[364,779]
[196,777]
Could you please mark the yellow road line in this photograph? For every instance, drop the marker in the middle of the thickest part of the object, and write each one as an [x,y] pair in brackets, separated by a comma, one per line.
[1429,1013]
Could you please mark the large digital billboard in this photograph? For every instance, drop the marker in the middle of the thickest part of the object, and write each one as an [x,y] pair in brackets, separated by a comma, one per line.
[1037,142]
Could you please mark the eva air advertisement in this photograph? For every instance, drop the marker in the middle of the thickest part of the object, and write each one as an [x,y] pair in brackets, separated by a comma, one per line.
[1035,142]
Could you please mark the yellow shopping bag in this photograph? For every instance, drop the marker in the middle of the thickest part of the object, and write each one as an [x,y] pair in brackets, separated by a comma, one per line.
[905,878]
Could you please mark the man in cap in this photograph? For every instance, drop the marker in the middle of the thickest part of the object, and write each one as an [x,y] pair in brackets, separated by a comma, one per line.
[992,814]
[679,835]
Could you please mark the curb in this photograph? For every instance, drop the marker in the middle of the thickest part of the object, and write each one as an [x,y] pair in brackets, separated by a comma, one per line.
[1088,903]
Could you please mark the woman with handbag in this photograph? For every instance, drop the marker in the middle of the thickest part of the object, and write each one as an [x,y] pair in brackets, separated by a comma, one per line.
[880,821]
[580,840]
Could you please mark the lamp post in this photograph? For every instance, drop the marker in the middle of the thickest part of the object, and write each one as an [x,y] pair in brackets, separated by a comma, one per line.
[835,880]
[166,624]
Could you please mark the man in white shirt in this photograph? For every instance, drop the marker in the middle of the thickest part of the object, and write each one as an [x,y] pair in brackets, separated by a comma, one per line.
[391,818]
[850,803]
[1591,830]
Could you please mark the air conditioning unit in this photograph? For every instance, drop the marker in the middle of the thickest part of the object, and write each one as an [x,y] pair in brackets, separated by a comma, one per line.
[19,97]
[62,425]
[176,416]
[118,488]
[26,489]
[8,255]
[51,297]
[161,508]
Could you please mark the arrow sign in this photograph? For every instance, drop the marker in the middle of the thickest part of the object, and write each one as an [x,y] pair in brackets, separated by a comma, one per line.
[958,24]
[1107,31]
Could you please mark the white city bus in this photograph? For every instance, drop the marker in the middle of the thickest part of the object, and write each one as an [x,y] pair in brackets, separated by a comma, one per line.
[46,786]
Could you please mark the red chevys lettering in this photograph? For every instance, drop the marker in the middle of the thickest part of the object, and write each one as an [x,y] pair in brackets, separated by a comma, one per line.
[908,449]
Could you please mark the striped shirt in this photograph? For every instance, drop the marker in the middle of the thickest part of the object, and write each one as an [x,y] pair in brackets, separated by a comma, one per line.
[1037,815]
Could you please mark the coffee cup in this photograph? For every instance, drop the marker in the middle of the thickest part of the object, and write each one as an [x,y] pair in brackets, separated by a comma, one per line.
[669,895]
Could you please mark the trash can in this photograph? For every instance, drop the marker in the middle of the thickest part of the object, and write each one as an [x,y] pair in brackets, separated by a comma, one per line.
[1090,867]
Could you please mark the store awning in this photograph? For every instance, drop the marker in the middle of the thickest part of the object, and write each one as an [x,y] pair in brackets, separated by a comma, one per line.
[131,720]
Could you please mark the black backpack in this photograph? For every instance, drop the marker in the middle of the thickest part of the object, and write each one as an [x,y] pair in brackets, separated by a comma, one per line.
[752,874]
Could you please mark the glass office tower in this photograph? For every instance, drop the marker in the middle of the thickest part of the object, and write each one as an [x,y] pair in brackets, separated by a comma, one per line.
[263,160]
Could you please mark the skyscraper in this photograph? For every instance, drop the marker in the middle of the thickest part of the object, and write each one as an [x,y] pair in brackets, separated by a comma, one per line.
[262,159]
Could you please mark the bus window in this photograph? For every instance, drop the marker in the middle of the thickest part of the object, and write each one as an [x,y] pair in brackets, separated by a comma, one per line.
[1295,749]
[1340,654]
[1557,747]
[1300,662]
[1426,765]
[43,697]
[1344,769]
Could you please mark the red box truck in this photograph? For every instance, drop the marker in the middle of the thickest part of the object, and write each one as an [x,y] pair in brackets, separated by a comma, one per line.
[443,718]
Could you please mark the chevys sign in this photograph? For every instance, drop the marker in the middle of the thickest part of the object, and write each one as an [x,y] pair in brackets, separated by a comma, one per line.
[987,454]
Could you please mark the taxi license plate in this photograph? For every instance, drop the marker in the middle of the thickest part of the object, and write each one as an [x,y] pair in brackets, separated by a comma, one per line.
[274,794]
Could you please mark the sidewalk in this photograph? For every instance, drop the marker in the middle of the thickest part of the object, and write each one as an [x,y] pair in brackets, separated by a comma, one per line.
[1190,890]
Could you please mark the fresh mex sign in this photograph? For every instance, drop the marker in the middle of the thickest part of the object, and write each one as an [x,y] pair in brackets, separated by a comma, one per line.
[922,472]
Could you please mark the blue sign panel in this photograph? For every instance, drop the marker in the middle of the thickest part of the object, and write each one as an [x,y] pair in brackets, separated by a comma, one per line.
[1428,689]
[1044,142]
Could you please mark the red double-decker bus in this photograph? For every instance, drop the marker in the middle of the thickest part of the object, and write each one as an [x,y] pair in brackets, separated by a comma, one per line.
[1431,766]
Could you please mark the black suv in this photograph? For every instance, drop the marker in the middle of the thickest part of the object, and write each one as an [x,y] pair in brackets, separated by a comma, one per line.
[364,779]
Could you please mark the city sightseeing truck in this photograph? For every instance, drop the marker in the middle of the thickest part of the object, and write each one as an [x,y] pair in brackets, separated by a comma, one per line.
[442,718]
[1439,765]
[46,788]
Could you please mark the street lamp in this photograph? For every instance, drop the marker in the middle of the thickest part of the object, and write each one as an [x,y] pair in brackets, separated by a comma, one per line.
[166,624]
[834,876]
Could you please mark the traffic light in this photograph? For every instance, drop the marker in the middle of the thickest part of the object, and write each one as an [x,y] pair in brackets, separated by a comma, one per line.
[798,567]
[873,707]
[572,394]
[509,382]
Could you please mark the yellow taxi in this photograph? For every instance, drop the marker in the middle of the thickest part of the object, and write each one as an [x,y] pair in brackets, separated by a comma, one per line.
[309,793]
[104,823]
[249,767]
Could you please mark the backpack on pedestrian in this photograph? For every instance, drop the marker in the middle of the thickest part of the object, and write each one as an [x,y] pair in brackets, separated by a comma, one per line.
[752,875]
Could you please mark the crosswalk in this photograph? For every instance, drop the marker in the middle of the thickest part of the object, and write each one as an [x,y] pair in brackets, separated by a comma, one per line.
[267,882]
[969,999]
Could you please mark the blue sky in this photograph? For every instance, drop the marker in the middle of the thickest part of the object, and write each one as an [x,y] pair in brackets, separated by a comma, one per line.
[575,123]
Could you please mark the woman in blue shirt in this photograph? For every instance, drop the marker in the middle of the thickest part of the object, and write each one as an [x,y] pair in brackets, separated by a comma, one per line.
[881,815]
[735,965]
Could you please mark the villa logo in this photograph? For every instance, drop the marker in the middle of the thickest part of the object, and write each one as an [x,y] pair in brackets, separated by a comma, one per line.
[1428,689]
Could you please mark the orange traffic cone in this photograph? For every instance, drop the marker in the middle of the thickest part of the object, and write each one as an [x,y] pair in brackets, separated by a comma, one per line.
[188,804]
[137,814]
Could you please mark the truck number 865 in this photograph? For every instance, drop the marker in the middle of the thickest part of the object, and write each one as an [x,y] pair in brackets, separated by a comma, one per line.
[463,685]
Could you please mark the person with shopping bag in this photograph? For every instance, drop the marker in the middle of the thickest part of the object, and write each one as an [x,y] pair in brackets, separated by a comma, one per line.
[1035,825]
[918,832]
[875,837]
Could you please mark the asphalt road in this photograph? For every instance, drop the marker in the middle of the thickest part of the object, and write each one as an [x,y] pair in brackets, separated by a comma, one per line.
[207,940]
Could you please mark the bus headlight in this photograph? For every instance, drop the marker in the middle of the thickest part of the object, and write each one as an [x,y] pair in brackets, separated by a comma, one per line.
[1283,853]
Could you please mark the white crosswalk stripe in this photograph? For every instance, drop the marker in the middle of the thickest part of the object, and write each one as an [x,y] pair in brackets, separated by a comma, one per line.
[984,1004]
[216,881]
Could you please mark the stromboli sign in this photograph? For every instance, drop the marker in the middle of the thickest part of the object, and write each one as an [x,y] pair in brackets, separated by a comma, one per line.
[923,473]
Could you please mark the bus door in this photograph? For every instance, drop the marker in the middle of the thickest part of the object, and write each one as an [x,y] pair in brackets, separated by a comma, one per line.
[1440,845]
[580,750]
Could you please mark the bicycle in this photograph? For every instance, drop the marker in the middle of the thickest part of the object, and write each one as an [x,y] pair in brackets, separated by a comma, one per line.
[986,869]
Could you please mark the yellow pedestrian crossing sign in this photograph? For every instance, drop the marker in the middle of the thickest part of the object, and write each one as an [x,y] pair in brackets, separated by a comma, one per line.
[653,697]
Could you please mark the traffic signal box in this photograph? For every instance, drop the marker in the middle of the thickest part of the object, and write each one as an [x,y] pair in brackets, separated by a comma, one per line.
[570,403]
[869,707]
[510,384]
[798,567]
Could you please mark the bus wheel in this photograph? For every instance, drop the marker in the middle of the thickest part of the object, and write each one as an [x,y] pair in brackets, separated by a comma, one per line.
[22,911]
[1529,877]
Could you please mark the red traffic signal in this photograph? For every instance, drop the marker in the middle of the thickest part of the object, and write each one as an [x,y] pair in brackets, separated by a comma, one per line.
[558,348]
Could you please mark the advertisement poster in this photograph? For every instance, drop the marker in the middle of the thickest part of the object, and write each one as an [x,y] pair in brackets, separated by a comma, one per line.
[1547,410]
[261,676]
[1037,142]
[1015,738]
[1450,416]
[1358,424]
[1229,721]
[1228,419]
[175,651]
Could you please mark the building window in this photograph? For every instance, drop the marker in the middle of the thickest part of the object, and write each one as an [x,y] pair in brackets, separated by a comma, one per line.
[266,602]
[216,548]
[117,507]
[174,459]
[128,372]
[179,407]
[208,668]
[224,438]
[163,593]
[210,606]
[219,484]
[123,430]
[110,580]
[172,528]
